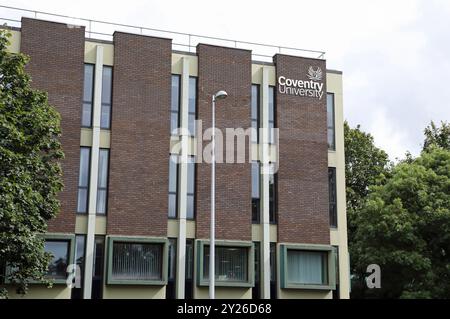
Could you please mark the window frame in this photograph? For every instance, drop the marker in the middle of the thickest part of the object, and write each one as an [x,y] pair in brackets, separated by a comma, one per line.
[220,283]
[137,240]
[331,272]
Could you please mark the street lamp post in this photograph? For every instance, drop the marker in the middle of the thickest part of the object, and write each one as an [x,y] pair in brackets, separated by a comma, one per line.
[212,253]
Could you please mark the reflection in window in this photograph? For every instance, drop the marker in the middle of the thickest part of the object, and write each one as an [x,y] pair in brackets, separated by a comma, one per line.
[88,95]
[231,264]
[59,249]
[102,184]
[83,179]
[105,117]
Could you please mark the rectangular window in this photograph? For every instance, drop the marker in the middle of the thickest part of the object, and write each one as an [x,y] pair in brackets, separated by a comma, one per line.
[102,184]
[192,105]
[188,287]
[271,114]
[173,186]
[307,267]
[273,271]
[272,194]
[190,212]
[255,104]
[256,293]
[332,196]
[172,269]
[88,95]
[256,175]
[83,179]
[330,122]
[105,117]
[231,264]
[60,251]
[137,261]
[175,104]
[99,257]
[80,248]
[336,294]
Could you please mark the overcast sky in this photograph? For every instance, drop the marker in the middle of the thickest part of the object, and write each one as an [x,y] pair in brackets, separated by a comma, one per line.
[394,54]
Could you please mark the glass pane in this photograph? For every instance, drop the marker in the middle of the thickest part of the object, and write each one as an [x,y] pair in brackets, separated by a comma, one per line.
[79,251]
[271,104]
[84,167]
[175,93]
[105,118]
[231,264]
[86,115]
[106,84]
[133,261]
[101,201]
[255,179]
[173,166]
[306,267]
[88,82]
[58,264]
[257,261]
[255,102]
[330,121]
[82,200]
[191,124]
[192,95]
[172,258]
[190,207]
[189,259]
[173,123]
[103,168]
[172,205]
[191,175]
[99,251]
[273,262]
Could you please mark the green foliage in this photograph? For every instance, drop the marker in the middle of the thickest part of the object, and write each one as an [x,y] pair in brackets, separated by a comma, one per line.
[404,226]
[437,136]
[365,165]
[30,174]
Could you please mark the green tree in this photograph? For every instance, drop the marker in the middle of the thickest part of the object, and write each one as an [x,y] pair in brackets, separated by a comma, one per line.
[30,174]
[437,136]
[365,165]
[404,227]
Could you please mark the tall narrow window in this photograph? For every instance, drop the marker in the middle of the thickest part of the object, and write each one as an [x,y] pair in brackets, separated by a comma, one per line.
[255,113]
[83,180]
[175,104]
[272,194]
[190,208]
[332,196]
[88,95]
[102,184]
[99,257]
[273,271]
[255,191]
[192,105]
[105,118]
[271,114]
[173,185]
[172,271]
[256,293]
[336,294]
[80,247]
[330,122]
[188,287]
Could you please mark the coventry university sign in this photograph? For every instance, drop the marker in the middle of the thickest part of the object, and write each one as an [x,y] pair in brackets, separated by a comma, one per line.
[306,88]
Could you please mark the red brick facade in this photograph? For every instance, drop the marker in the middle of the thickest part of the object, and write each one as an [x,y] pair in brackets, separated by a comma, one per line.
[139,169]
[303,158]
[225,69]
[56,66]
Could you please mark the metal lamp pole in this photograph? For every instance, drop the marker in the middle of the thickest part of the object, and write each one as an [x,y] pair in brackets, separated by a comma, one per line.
[212,251]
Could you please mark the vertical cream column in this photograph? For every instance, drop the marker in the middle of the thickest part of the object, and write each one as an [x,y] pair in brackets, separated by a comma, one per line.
[90,237]
[182,191]
[264,198]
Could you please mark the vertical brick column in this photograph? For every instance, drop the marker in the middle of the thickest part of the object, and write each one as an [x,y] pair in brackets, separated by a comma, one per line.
[230,70]
[140,135]
[303,158]
[57,57]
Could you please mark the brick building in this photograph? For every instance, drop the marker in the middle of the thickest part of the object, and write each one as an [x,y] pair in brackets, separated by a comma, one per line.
[136,222]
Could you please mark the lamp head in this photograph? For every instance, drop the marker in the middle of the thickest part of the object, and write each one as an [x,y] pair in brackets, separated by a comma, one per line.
[220,95]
